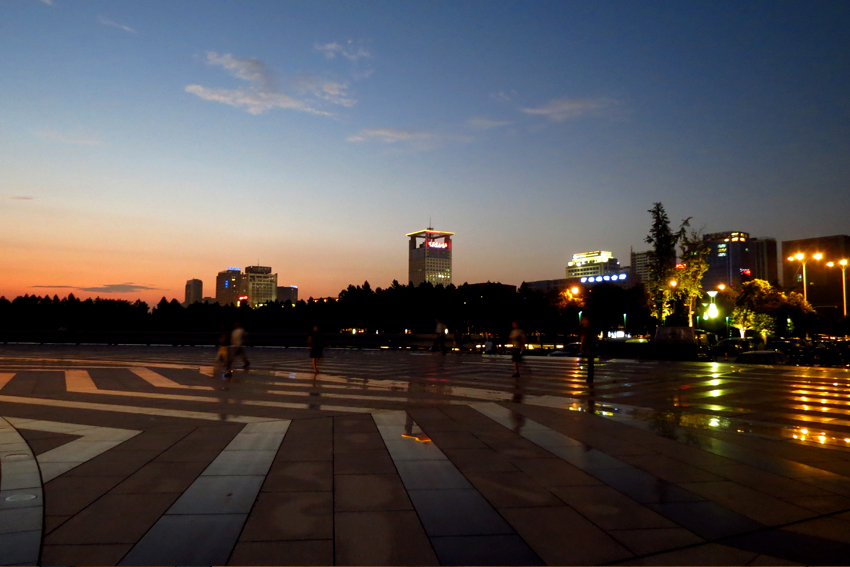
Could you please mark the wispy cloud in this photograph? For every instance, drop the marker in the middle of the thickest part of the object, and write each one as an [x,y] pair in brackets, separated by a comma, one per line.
[350,50]
[390,135]
[108,22]
[503,96]
[252,70]
[561,109]
[85,139]
[402,140]
[253,101]
[107,288]
[263,94]
[486,124]
[22,198]
[48,2]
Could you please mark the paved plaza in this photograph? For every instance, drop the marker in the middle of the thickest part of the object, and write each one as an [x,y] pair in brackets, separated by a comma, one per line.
[144,456]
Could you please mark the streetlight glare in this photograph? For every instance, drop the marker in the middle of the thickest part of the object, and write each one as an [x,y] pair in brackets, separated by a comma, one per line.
[843,262]
[721,287]
[574,291]
[674,283]
[799,255]
[830,264]
[818,256]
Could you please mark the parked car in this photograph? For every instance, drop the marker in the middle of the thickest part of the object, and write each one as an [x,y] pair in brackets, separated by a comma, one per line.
[792,349]
[771,357]
[733,347]
[571,349]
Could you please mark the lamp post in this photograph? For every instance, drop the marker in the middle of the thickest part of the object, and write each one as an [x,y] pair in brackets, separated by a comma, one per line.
[843,264]
[800,257]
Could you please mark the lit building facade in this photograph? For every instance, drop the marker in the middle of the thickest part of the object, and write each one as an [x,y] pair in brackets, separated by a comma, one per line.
[228,286]
[729,261]
[430,257]
[260,285]
[194,291]
[287,293]
[823,284]
[592,264]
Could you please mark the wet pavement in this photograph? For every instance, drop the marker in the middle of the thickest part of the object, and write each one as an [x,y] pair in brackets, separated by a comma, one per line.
[144,455]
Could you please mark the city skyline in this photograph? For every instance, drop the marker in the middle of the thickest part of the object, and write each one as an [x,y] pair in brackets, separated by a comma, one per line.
[145,144]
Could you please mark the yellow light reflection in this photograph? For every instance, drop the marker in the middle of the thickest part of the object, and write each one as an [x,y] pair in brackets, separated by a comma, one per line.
[714,393]
[714,382]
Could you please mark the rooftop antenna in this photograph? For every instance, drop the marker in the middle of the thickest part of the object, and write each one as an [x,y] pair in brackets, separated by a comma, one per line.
[429,224]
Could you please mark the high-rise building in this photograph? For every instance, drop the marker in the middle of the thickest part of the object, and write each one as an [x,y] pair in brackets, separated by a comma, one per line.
[823,284]
[228,286]
[763,257]
[260,285]
[430,257]
[729,260]
[587,264]
[194,291]
[640,265]
[287,293]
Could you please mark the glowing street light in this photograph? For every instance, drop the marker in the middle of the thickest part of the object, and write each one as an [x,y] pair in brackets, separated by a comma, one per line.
[800,257]
[843,264]
[712,308]
[721,287]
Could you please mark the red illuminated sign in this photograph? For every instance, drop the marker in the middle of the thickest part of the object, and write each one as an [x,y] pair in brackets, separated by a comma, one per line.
[680,266]
[435,244]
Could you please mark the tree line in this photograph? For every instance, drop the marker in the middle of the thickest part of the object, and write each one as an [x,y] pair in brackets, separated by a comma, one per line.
[672,296]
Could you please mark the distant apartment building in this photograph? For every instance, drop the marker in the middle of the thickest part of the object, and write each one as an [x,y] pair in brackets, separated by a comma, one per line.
[763,258]
[260,285]
[823,283]
[287,293]
[430,257]
[545,286]
[228,286]
[194,291]
[591,264]
[640,266]
[728,259]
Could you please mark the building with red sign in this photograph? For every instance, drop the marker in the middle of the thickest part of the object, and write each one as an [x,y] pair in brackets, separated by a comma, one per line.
[430,257]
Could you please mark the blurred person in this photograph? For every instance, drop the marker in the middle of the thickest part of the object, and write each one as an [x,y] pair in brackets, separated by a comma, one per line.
[316,342]
[517,338]
[222,360]
[440,339]
[237,346]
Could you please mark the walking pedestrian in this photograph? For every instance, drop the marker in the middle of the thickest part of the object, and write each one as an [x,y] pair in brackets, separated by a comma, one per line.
[237,345]
[316,342]
[517,338]
[222,359]
[440,339]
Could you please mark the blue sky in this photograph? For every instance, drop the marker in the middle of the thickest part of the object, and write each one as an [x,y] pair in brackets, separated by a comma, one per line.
[146,143]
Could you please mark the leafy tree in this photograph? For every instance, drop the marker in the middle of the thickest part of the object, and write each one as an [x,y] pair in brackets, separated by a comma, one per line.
[764,325]
[662,262]
[694,254]
[742,319]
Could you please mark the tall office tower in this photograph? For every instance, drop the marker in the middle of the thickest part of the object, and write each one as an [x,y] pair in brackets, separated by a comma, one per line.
[430,257]
[823,284]
[763,256]
[287,293]
[194,291]
[640,265]
[260,285]
[586,264]
[228,286]
[729,261]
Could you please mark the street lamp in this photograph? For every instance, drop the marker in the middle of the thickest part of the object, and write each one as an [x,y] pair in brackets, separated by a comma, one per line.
[712,308]
[843,264]
[800,257]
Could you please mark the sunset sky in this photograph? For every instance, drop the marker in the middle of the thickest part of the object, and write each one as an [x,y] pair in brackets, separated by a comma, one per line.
[144,143]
